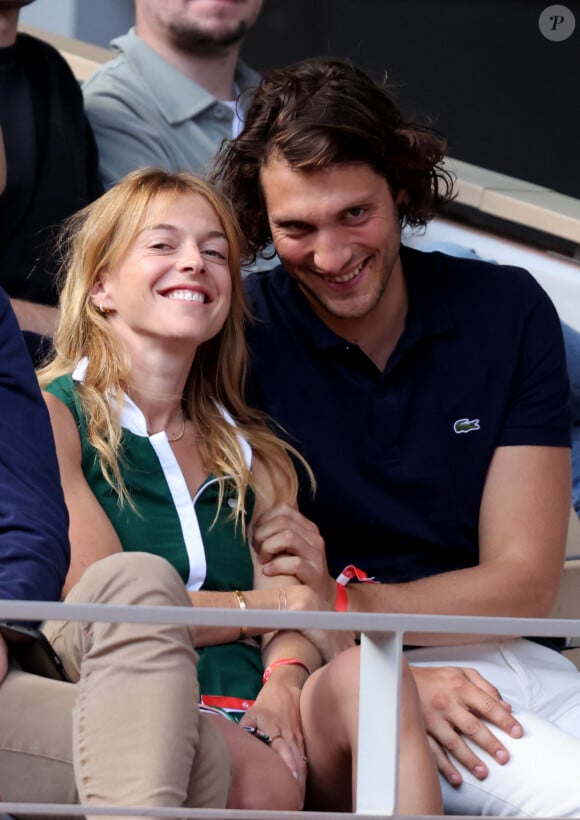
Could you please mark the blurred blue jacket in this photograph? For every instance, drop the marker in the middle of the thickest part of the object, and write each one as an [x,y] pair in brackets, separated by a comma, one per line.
[34,546]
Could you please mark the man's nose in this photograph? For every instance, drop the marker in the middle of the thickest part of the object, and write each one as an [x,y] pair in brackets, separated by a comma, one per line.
[330,254]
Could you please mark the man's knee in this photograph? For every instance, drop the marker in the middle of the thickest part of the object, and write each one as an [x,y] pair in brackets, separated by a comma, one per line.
[130,578]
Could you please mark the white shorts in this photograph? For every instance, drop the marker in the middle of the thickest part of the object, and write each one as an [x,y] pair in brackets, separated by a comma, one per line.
[542,777]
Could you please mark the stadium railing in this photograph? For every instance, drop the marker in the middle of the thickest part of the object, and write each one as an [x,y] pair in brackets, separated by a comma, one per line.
[382,638]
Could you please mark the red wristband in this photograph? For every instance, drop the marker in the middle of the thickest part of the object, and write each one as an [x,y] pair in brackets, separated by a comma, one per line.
[341,600]
[348,573]
[283,662]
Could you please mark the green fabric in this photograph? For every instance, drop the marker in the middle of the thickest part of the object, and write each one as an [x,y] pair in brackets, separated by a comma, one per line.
[233,669]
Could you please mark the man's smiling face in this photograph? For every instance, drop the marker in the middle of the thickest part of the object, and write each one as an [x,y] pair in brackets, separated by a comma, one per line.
[337,232]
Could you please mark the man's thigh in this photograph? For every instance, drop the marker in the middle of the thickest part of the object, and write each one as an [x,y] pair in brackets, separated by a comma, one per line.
[540,779]
[529,676]
[36,739]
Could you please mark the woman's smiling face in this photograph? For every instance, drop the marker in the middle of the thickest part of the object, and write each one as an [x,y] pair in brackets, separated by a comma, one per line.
[173,284]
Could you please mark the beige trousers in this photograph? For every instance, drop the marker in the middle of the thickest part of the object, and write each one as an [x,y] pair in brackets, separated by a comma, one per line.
[128,731]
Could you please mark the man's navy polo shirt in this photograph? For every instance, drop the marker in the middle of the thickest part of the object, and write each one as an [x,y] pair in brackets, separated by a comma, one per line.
[401,456]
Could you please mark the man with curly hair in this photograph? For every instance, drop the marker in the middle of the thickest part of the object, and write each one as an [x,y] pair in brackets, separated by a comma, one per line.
[429,394]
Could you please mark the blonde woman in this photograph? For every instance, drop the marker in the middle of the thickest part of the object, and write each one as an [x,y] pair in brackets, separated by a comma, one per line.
[159,453]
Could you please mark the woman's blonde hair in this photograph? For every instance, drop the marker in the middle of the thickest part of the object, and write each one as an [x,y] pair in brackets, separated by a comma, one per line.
[95,240]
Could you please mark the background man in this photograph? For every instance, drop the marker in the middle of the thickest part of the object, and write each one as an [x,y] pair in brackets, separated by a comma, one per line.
[430,396]
[171,96]
[52,169]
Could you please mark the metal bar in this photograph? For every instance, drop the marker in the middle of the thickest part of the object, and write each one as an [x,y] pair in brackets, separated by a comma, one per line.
[373,622]
[378,729]
[64,810]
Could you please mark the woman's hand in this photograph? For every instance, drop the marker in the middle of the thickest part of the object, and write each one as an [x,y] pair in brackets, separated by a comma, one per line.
[277,713]
[329,643]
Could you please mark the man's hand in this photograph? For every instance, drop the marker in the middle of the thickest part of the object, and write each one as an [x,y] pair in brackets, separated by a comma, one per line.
[288,543]
[455,701]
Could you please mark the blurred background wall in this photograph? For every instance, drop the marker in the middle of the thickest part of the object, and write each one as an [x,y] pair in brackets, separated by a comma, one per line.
[484,72]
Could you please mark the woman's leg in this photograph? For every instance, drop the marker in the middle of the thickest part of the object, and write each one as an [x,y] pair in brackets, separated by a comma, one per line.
[136,735]
[329,708]
[259,777]
[419,788]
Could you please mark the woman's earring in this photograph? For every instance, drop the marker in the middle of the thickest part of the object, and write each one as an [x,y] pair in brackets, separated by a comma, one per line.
[103,310]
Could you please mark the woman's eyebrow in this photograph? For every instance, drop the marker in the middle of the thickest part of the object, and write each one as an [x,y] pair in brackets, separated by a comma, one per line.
[160,226]
[166,226]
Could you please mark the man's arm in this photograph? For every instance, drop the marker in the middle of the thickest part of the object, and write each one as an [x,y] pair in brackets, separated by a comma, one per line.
[453,699]
[33,517]
[522,535]
[36,318]
[523,522]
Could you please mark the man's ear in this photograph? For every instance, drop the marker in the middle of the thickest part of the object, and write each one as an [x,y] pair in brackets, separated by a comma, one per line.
[402,198]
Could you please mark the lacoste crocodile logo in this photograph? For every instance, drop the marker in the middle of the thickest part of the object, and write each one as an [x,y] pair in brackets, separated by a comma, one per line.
[466,425]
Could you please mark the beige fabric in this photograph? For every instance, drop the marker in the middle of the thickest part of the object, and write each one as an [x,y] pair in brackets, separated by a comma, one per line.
[130,725]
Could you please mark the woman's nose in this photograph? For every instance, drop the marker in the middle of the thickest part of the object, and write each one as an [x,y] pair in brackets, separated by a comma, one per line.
[191,259]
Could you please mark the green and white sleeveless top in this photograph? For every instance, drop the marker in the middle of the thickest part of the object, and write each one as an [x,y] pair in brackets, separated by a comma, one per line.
[208,552]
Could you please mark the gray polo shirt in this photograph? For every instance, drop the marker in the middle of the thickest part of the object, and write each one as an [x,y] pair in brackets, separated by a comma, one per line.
[145,112]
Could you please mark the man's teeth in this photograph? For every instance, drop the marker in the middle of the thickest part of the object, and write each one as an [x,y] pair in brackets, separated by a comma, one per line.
[186,295]
[347,276]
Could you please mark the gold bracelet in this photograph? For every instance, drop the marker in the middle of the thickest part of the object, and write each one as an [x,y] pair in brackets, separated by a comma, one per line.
[241,601]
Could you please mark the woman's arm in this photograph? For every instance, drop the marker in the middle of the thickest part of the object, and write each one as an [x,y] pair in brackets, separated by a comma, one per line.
[277,708]
[289,656]
[92,537]
[91,534]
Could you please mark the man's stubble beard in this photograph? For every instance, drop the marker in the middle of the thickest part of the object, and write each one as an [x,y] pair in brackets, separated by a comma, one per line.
[201,43]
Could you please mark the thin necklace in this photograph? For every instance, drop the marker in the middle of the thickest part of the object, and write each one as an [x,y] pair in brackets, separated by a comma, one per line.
[179,435]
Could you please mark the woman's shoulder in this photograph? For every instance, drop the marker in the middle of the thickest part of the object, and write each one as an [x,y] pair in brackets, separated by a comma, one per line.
[63,388]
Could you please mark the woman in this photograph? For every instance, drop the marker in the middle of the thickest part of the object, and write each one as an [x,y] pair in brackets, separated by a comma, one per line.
[158,452]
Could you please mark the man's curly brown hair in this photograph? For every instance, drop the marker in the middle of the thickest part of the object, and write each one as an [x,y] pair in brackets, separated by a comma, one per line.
[322,112]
